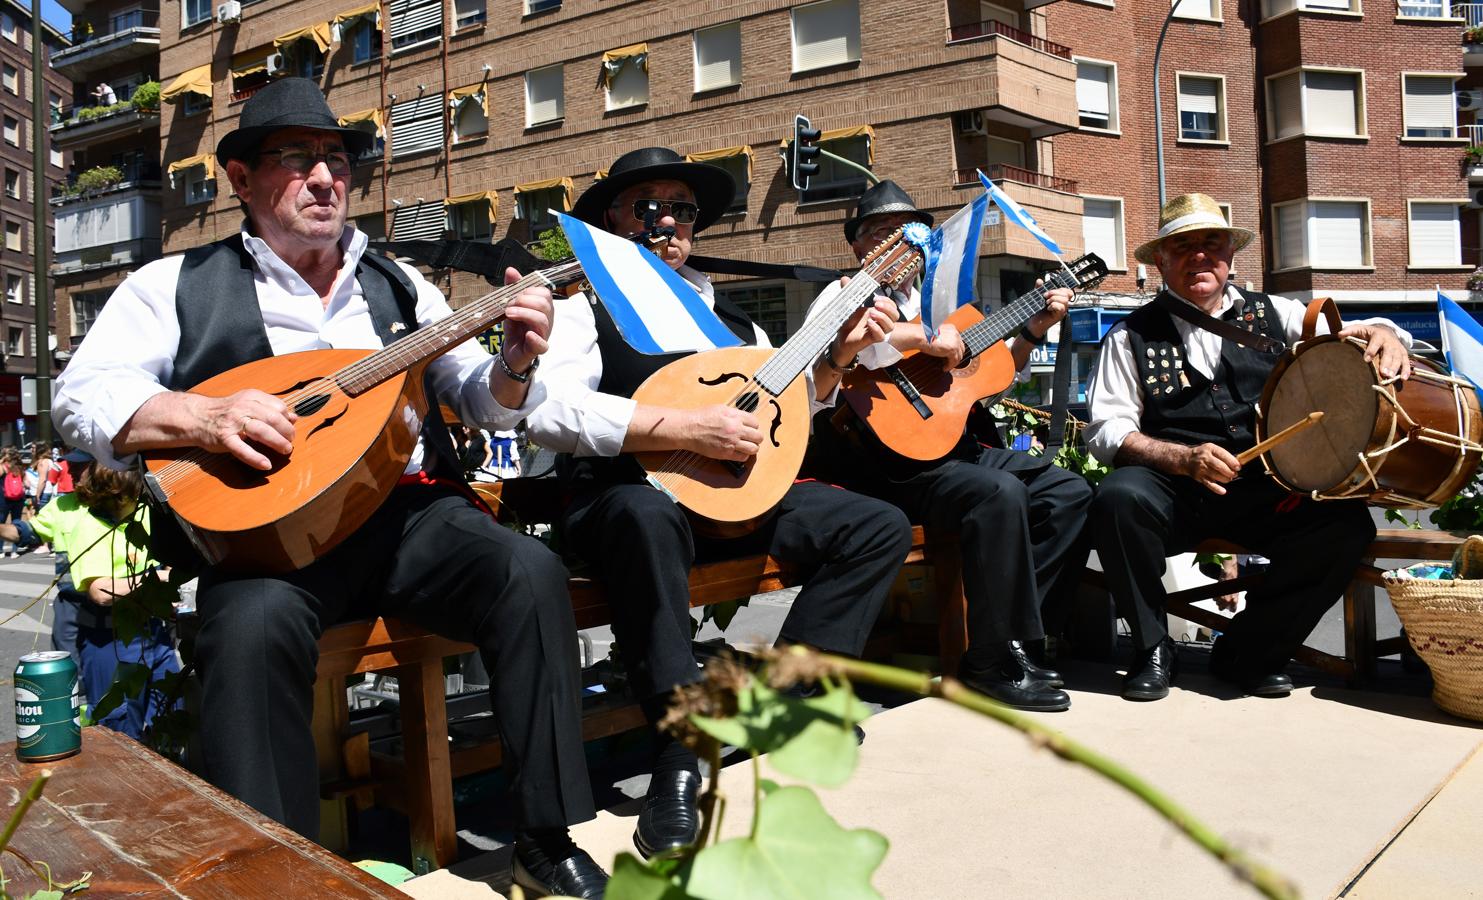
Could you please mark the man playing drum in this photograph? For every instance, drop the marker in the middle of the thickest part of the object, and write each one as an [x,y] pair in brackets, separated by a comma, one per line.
[1172,403]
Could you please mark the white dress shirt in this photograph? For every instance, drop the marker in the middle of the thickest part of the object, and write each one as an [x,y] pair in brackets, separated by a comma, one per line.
[575,416]
[128,355]
[1115,397]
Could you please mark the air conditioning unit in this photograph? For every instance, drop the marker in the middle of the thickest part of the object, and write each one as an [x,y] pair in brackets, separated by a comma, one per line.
[229,12]
[1470,100]
[1476,201]
[970,122]
[277,65]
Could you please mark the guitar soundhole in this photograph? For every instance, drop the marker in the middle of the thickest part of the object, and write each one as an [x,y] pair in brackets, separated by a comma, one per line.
[311,405]
[748,402]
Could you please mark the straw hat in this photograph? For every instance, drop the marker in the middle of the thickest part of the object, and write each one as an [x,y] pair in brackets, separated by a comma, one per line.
[1191,212]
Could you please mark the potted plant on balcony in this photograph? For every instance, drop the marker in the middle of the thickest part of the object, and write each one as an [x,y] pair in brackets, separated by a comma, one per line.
[1473,35]
[1472,156]
[96,179]
[146,97]
[1475,283]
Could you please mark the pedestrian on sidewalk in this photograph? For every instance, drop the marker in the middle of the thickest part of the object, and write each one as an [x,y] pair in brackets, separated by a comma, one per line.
[14,484]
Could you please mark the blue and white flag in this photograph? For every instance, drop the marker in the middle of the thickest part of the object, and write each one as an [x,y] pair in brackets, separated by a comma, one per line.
[1017,214]
[655,309]
[950,276]
[1462,341]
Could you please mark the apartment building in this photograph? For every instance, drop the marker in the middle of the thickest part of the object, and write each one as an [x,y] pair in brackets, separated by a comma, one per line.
[108,213]
[17,209]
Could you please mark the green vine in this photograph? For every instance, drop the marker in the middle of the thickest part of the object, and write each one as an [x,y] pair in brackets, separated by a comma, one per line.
[54,889]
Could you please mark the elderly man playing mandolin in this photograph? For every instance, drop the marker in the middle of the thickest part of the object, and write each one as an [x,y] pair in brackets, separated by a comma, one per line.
[1172,401]
[297,278]
[635,535]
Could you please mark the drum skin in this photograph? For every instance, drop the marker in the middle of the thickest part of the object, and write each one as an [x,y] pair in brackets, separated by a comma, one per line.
[1329,374]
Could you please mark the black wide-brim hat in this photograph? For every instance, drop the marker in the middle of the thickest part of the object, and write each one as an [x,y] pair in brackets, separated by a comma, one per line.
[713,186]
[285,103]
[885,197]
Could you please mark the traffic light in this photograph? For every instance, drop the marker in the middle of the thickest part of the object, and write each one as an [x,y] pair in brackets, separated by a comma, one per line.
[805,152]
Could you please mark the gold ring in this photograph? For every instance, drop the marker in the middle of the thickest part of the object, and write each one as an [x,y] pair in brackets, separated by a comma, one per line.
[245,421]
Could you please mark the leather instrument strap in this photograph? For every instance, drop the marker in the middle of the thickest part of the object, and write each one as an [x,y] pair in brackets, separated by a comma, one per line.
[1228,330]
[1324,305]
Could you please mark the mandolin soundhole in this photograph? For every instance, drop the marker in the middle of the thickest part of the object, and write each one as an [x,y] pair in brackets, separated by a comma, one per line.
[747,402]
[311,405]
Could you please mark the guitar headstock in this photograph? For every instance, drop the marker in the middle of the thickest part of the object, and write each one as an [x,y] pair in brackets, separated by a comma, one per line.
[898,257]
[1086,271]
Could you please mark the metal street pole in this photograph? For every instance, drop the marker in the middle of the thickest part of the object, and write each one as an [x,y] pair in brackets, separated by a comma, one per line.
[1158,106]
[41,242]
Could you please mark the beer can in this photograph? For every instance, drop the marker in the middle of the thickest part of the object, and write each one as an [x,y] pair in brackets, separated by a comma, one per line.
[48,707]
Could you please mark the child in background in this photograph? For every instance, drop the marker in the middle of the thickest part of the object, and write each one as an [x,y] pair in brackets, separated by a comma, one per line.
[14,484]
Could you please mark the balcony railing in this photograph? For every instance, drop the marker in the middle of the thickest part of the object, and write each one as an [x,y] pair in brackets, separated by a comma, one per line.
[1471,12]
[1017,175]
[1474,133]
[135,18]
[977,31]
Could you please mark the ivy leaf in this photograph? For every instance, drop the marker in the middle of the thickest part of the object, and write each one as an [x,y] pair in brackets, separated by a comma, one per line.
[45,895]
[129,681]
[632,880]
[798,851]
[129,620]
[812,739]
[723,613]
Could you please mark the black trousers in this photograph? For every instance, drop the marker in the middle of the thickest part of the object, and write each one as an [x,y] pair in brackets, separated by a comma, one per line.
[1140,516]
[1019,522]
[641,543]
[428,556]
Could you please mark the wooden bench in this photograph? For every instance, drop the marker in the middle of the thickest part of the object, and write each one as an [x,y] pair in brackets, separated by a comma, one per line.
[419,783]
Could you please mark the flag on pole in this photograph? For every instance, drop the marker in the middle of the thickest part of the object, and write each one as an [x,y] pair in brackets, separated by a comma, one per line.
[950,277]
[655,309]
[1462,341]
[1017,214]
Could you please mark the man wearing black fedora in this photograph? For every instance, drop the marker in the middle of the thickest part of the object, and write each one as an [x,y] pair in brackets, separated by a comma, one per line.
[298,278]
[1018,518]
[637,537]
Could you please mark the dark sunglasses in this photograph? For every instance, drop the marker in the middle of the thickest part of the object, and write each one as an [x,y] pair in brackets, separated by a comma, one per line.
[682,211]
[301,161]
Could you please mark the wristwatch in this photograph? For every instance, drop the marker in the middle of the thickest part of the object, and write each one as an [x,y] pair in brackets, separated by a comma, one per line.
[517,377]
[1029,335]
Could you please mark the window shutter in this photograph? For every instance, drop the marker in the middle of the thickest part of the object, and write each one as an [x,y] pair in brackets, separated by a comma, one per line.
[826,34]
[411,16]
[417,125]
[1333,102]
[543,95]
[717,57]
[1199,95]
[1291,250]
[1436,235]
[1287,105]
[1099,230]
[422,221]
[1337,233]
[1200,9]
[1430,103]
[1092,94]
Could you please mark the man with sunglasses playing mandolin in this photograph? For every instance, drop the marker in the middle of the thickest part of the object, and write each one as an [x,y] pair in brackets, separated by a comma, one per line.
[636,537]
[298,278]
[1019,519]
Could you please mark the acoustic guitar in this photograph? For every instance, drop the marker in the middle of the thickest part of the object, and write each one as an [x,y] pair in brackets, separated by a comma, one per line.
[360,412]
[728,498]
[919,406]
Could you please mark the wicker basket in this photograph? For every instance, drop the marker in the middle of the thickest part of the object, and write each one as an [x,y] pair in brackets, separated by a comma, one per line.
[1444,622]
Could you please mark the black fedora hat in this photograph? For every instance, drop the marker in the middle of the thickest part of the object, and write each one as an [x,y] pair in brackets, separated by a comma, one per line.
[285,103]
[883,198]
[713,186]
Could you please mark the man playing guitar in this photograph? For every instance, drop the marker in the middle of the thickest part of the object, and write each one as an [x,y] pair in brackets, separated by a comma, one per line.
[1019,518]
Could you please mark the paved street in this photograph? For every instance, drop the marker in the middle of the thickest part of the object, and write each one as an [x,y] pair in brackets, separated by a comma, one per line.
[21,580]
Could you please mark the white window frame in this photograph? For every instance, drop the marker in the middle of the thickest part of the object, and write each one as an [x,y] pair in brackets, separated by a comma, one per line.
[533,7]
[475,213]
[793,36]
[54,156]
[9,28]
[193,104]
[1308,6]
[1411,262]
[1114,120]
[1222,132]
[13,80]
[1443,8]
[1455,77]
[374,40]
[398,11]
[1121,263]
[455,117]
[19,230]
[198,188]
[15,340]
[20,185]
[185,12]
[1229,213]
[15,287]
[1185,17]
[560,98]
[537,214]
[1306,261]
[467,18]
[81,314]
[627,70]
[695,56]
[19,131]
[1361,106]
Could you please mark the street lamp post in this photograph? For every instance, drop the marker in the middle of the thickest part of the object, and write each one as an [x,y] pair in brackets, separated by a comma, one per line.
[41,242]
[1158,106]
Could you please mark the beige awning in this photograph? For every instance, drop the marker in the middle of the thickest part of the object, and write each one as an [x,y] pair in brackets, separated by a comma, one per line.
[370,11]
[191,81]
[724,153]
[835,134]
[600,174]
[319,34]
[367,115]
[251,69]
[207,160]
[489,198]
[457,96]
[613,60]
[564,182]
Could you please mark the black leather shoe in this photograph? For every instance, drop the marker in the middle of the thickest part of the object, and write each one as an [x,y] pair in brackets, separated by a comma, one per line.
[670,818]
[1007,681]
[1226,665]
[1037,671]
[1156,670]
[575,875]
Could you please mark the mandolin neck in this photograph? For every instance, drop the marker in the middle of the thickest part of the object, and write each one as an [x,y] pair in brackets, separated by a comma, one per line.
[438,337]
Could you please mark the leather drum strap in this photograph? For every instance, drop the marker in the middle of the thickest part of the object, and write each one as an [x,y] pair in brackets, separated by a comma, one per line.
[1324,305]
[1228,330]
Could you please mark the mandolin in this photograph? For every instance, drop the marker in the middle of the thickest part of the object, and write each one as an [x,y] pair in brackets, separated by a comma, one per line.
[919,406]
[729,497]
[360,412]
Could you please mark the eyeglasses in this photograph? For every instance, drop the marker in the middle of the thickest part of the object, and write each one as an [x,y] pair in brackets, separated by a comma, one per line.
[301,161]
[682,211]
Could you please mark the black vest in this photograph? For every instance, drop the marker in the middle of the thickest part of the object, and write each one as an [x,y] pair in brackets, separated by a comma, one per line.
[623,370]
[221,326]
[1182,405]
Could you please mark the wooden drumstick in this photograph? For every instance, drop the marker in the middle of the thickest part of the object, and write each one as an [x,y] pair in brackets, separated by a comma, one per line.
[1246,456]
